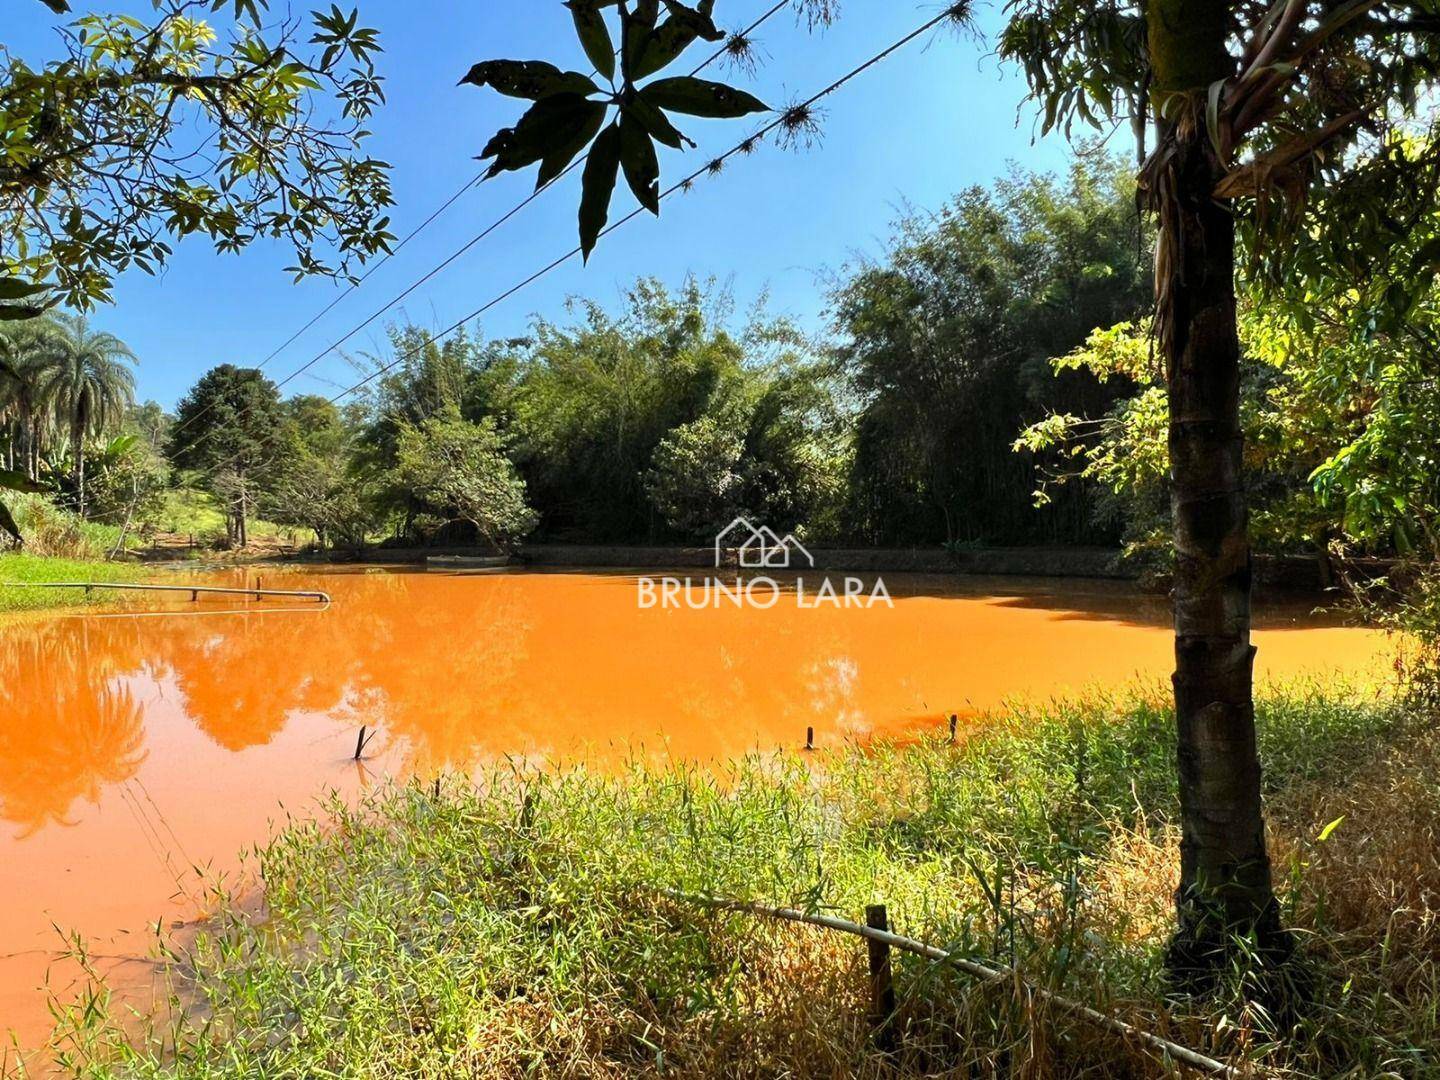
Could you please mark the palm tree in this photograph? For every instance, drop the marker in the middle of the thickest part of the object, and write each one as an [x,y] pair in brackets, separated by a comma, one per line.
[21,403]
[87,383]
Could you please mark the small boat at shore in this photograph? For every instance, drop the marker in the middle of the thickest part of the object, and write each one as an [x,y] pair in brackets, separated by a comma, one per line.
[471,562]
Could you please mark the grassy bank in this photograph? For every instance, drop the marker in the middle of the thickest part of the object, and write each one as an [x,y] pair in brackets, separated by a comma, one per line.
[29,568]
[512,928]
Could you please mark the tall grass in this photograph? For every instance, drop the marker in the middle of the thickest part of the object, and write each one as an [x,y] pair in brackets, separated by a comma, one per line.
[50,530]
[511,926]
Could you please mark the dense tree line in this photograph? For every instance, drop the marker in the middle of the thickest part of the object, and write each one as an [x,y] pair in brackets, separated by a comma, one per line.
[1013,319]
[662,420]
[947,341]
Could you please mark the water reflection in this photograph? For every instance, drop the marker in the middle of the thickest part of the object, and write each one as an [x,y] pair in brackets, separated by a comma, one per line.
[69,727]
[137,745]
[456,668]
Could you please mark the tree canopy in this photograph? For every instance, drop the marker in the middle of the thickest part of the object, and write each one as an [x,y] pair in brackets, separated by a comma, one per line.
[142,133]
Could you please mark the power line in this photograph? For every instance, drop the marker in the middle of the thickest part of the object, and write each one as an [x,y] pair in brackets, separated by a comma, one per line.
[487,231]
[744,146]
[787,118]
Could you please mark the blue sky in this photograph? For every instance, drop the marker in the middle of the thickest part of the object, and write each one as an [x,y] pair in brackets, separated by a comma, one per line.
[937,117]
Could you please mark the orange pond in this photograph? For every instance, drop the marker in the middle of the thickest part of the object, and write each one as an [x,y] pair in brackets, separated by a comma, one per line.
[140,744]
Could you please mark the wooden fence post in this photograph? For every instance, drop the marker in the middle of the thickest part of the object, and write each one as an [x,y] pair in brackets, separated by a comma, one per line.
[882,981]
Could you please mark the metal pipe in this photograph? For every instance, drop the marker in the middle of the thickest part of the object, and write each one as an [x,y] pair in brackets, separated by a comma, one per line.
[987,972]
[324,598]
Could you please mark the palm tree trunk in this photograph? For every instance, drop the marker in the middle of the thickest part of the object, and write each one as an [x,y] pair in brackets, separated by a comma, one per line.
[1225,891]
[78,440]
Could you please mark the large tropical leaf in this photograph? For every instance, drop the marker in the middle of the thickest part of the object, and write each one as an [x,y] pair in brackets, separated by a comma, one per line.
[551,124]
[569,110]
[586,126]
[700,97]
[601,170]
[673,36]
[641,165]
[594,35]
[637,26]
[657,123]
[533,79]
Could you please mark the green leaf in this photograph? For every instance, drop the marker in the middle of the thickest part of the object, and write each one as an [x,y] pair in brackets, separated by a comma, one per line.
[672,37]
[656,123]
[15,289]
[641,164]
[533,79]
[546,129]
[594,35]
[9,524]
[16,481]
[700,97]
[18,312]
[59,7]
[636,27]
[597,186]
[587,123]
[1328,829]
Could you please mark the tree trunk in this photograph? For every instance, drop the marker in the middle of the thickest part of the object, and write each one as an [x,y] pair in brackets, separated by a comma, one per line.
[1225,891]
[244,513]
[79,440]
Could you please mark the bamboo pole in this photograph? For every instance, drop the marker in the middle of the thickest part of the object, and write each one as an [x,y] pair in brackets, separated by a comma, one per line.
[992,973]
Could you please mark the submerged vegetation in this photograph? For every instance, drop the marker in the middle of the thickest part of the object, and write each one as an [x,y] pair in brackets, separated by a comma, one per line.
[515,926]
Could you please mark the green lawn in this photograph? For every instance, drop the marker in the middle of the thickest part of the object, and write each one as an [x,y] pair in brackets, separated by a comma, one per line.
[190,511]
[27,568]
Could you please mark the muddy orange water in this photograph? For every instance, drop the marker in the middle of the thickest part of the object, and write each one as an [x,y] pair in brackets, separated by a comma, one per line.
[139,745]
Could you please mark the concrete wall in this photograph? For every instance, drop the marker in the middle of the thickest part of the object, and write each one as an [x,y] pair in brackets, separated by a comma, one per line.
[1029,562]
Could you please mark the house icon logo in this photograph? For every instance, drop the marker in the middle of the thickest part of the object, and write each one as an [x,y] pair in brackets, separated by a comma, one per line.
[761,548]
